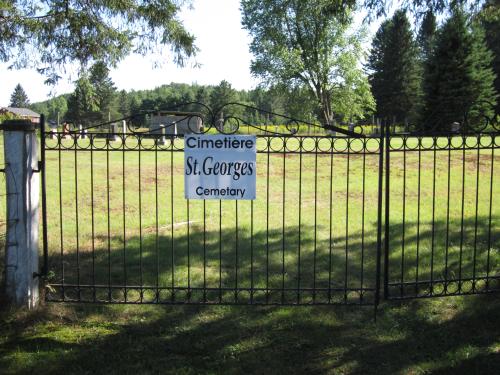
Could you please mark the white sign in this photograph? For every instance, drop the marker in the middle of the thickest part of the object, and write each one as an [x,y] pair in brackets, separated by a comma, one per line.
[219,166]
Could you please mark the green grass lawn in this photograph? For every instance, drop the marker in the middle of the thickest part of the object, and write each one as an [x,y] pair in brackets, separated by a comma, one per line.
[452,335]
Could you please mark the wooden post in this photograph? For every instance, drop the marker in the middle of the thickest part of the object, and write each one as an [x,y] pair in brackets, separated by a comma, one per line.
[22,179]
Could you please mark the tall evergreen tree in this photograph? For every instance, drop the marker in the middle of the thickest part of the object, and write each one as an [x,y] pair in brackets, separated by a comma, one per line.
[426,34]
[53,33]
[458,78]
[124,103]
[105,92]
[395,71]
[19,99]
[83,103]
[223,94]
[491,24]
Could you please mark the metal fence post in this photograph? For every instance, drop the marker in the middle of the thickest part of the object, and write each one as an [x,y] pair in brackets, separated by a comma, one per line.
[379,217]
[21,260]
[387,203]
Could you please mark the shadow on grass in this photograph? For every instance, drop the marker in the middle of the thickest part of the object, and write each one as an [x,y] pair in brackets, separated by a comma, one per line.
[445,336]
[290,265]
[453,335]
[443,257]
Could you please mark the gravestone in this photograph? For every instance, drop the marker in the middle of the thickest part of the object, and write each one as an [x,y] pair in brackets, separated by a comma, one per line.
[456,127]
[83,132]
[112,132]
[162,140]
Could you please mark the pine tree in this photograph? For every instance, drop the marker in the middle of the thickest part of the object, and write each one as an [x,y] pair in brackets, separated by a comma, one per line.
[203,95]
[19,99]
[491,25]
[105,92]
[458,79]
[83,103]
[426,34]
[396,73]
[221,95]
[124,103]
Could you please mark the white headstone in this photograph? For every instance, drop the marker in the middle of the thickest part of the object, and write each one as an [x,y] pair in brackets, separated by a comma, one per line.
[162,140]
[82,132]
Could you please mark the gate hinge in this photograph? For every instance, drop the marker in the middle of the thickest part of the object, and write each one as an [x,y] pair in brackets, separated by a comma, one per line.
[40,165]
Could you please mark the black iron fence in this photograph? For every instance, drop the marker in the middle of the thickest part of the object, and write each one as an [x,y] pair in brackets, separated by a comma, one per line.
[339,218]
[441,219]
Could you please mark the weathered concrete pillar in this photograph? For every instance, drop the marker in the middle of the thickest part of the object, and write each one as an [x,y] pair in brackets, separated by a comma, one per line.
[22,179]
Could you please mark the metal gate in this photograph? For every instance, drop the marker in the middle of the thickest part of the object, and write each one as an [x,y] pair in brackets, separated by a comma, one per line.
[117,228]
[441,212]
[120,229]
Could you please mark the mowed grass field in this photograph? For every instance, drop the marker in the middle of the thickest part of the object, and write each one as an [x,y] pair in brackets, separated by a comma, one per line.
[120,218]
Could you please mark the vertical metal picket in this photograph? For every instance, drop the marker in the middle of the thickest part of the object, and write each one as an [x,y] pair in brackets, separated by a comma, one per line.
[45,266]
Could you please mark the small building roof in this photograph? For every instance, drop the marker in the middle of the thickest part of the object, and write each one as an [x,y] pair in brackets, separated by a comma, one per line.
[24,112]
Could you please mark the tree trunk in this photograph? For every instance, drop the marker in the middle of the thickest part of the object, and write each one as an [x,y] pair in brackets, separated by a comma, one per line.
[326,110]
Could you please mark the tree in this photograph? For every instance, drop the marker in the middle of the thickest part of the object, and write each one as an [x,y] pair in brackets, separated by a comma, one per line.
[105,92]
[221,95]
[19,99]
[49,34]
[124,104]
[306,43]
[459,79]
[203,95]
[426,34]
[378,8]
[300,104]
[54,109]
[396,73]
[490,21]
[83,103]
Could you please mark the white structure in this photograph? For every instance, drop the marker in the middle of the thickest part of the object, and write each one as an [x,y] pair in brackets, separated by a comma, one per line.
[175,123]
[22,179]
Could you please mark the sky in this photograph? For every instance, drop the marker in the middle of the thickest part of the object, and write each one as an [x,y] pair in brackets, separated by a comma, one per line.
[223,54]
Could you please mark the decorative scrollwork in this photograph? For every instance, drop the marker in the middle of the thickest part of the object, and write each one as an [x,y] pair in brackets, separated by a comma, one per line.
[198,118]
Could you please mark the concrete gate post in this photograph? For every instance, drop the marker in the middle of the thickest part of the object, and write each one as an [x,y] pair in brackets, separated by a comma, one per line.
[22,179]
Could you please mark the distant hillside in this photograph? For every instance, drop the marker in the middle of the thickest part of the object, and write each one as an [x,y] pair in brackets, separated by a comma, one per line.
[124,103]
